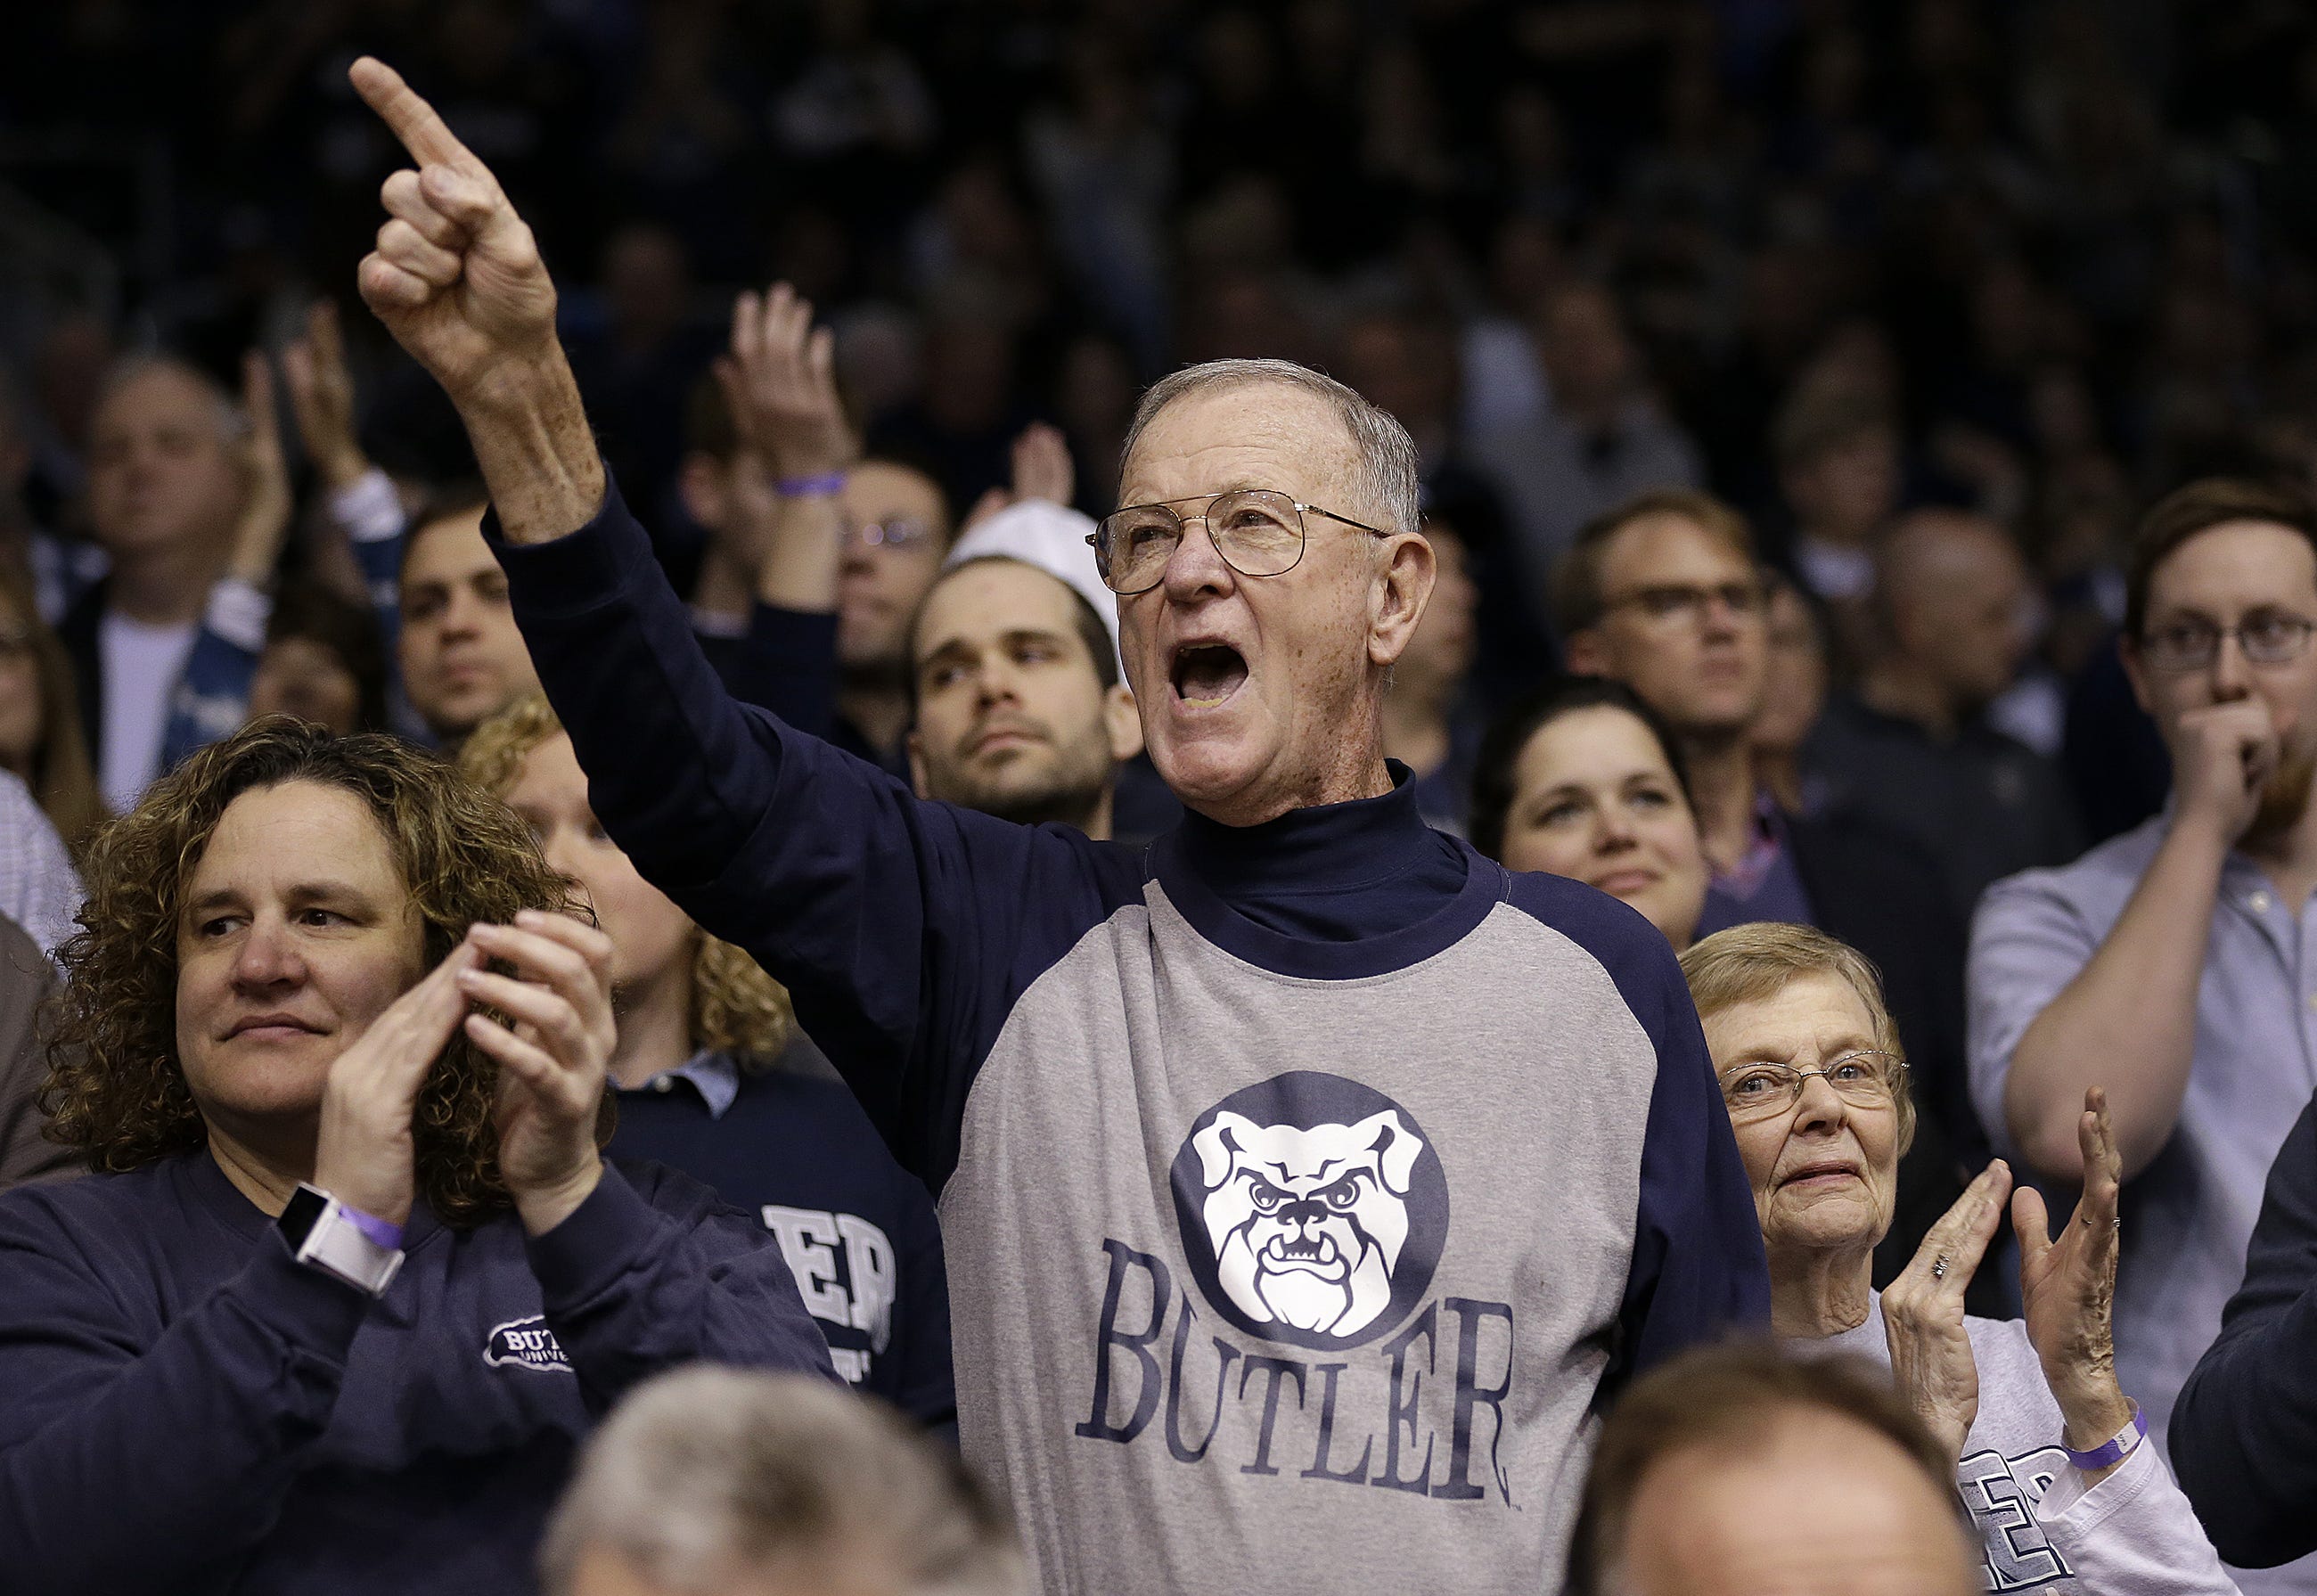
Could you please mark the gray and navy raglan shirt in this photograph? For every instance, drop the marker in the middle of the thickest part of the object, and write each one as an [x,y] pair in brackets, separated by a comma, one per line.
[1306,1188]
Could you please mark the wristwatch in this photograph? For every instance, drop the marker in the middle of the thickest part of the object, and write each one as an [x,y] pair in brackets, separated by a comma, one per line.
[346,1244]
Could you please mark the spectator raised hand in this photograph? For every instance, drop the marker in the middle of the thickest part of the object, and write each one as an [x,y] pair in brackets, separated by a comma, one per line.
[1042,468]
[457,278]
[780,380]
[322,398]
[265,502]
[783,537]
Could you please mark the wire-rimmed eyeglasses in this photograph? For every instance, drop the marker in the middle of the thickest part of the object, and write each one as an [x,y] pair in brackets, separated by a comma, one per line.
[2266,637]
[1866,1079]
[1258,532]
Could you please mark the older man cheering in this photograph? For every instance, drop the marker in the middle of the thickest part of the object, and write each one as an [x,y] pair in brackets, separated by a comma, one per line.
[1307,1180]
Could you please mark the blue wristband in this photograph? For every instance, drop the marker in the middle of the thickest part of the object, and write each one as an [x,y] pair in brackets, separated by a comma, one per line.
[2114,1452]
[385,1233]
[821,487]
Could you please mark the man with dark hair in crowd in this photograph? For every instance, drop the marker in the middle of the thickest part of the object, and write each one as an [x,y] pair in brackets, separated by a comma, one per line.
[2170,964]
[1020,713]
[1912,749]
[1242,1053]
[1665,594]
[462,656]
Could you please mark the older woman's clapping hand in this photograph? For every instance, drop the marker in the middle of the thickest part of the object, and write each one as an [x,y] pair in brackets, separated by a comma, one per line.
[1923,1311]
[2070,1287]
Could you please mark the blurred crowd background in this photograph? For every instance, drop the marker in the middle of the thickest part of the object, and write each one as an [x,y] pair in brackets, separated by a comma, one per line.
[2039,260]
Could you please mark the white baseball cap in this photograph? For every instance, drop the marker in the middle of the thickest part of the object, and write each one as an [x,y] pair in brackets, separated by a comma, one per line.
[1050,536]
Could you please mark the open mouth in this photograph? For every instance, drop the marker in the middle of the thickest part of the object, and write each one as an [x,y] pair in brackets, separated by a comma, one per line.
[1206,674]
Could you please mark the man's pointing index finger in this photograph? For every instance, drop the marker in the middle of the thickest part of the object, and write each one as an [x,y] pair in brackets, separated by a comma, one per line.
[421,129]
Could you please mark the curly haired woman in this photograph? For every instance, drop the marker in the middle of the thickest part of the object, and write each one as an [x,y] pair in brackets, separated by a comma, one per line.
[354,1279]
[713,1078]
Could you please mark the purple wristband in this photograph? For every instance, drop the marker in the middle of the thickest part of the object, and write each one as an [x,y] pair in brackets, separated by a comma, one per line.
[820,486]
[2101,1457]
[385,1233]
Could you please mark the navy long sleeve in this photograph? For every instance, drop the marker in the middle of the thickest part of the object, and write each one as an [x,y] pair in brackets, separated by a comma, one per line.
[2244,1429]
[185,1408]
[783,661]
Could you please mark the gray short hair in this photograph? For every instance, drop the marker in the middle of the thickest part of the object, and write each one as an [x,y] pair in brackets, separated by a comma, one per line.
[1388,465]
[708,1475]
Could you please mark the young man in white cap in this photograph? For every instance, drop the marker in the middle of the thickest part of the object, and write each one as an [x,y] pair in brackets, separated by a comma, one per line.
[1014,672]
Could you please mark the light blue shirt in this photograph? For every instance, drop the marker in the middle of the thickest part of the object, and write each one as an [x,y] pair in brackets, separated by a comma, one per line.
[2189,1215]
[714,1075]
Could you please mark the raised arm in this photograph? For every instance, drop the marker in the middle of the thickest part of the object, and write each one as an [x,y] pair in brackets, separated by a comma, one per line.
[363,502]
[457,278]
[2127,1020]
[904,930]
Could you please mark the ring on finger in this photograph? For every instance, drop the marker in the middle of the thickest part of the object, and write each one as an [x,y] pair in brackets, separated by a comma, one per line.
[1939,1267]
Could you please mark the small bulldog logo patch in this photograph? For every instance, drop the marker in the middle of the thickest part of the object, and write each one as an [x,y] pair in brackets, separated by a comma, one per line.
[527,1344]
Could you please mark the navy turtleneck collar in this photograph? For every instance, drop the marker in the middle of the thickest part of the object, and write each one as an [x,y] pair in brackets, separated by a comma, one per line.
[1367,872]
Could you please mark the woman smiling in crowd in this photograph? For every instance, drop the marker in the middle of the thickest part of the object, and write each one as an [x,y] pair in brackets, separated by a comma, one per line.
[1582,779]
[353,1266]
[2051,1457]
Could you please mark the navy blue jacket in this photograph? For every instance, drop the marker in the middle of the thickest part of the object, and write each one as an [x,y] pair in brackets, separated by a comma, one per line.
[2244,1428]
[185,1409]
[858,1231]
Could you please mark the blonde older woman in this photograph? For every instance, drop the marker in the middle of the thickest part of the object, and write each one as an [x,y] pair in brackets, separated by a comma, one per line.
[2051,1458]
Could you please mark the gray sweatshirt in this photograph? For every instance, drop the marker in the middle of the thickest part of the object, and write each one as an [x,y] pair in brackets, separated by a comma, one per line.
[2043,1526]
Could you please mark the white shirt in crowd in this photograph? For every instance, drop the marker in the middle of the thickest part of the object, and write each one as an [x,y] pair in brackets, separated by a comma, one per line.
[139,667]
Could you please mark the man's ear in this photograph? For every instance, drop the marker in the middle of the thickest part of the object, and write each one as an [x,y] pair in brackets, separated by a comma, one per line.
[1586,653]
[1123,722]
[700,488]
[916,747]
[1401,587]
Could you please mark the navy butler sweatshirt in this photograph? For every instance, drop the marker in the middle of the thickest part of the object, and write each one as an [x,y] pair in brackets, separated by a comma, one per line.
[185,1409]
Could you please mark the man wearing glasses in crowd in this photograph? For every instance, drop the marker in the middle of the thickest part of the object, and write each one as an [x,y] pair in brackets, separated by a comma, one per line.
[1665,594]
[2176,964]
[1306,1181]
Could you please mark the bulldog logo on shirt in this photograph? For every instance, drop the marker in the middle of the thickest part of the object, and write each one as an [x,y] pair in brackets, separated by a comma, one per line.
[526,1343]
[1312,1209]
